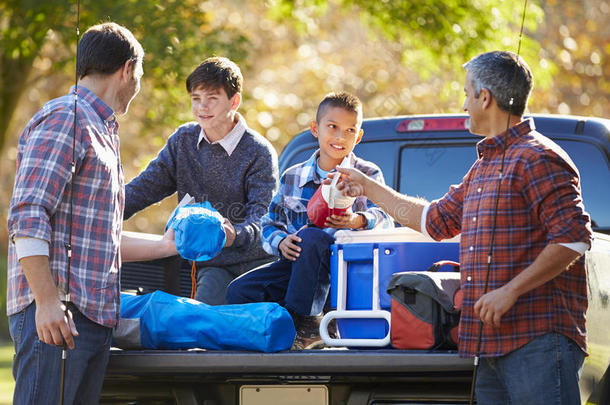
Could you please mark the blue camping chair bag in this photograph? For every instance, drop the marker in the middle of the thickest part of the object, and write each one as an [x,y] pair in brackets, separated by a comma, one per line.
[164,321]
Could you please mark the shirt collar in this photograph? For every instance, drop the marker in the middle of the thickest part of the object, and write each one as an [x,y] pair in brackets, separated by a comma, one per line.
[229,141]
[497,143]
[308,170]
[102,109]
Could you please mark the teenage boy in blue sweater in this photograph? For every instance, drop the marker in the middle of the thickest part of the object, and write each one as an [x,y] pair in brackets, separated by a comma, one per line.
[220,160]
[300,279]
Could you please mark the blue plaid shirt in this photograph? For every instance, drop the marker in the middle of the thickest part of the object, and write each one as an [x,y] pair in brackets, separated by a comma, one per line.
[40,205]
[288,210]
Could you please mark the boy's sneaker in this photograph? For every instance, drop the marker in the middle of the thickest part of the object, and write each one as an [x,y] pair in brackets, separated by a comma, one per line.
[308,333]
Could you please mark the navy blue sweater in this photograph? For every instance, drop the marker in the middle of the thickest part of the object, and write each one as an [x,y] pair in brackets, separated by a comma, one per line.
[239,186]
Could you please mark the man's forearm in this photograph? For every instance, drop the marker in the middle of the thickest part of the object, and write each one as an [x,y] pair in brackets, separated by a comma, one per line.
[552,261]
[138,247]
[404,209]
[38,274]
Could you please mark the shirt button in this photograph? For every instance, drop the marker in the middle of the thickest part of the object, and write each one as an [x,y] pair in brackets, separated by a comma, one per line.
[474,219]
[468,278]
[471,248]
[479,190]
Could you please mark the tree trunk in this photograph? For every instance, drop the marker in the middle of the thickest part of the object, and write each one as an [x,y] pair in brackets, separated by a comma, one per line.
[13,76]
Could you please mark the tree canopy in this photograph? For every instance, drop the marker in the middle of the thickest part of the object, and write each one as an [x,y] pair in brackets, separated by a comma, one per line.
[399,57]
[174,34]
[430,35]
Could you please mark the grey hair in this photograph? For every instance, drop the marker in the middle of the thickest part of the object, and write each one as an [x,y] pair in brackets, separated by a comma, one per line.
[495,71]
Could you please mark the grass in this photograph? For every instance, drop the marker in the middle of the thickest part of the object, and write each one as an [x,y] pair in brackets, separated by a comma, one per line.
[7,383]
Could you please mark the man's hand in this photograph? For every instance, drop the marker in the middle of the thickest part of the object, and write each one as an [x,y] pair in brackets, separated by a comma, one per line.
[491,306]
[289,247]
[52,325]
[348,220]
[352,182]
[229,232]
[552,261]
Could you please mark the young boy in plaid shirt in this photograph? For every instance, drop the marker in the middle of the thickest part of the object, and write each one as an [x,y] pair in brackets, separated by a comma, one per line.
[300,279]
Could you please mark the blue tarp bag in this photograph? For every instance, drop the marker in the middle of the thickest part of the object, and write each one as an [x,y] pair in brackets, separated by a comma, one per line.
[163,321]
[199,232]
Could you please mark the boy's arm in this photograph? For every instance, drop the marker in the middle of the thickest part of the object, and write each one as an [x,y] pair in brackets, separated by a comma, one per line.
[275,223]
[261,182]
[155,183]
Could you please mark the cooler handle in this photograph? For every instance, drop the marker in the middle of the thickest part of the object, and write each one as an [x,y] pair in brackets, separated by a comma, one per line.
[342,312]
[351,314]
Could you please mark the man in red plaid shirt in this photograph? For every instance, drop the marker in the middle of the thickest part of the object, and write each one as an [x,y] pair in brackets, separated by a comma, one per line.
[533,340]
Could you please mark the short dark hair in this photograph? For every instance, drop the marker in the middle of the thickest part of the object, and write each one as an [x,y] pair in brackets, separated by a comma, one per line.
[104,48]
[495,71]
[342,99]
[214,73]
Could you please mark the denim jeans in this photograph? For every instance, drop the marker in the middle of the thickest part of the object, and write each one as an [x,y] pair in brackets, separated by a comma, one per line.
[37,365]
[212,282]
[301,285]
[544,371]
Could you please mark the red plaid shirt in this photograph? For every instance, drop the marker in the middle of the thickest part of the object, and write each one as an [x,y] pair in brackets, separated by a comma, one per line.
[40,204]
[540,204]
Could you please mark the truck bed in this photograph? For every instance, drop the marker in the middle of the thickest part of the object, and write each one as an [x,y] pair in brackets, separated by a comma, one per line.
[322,362]
[352,377]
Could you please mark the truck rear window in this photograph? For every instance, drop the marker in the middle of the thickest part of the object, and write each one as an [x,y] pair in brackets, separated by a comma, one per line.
[428,171]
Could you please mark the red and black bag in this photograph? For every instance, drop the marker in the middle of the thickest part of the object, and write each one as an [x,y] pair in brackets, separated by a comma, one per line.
[425,308]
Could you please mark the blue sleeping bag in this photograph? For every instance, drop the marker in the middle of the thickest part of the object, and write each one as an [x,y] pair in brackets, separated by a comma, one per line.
[199,235]
[164,321]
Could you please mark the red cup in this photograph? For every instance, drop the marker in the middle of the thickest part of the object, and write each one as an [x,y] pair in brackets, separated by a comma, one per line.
[318,207]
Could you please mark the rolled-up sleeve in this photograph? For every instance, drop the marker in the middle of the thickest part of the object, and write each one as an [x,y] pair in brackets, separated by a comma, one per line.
[552,188]
[43,174]
[444,216]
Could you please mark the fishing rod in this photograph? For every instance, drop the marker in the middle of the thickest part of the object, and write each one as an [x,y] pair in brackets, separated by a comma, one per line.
[66,300]
[495,215]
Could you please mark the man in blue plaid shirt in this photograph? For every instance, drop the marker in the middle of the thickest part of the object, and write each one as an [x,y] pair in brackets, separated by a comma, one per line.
[300,279]
[43,211]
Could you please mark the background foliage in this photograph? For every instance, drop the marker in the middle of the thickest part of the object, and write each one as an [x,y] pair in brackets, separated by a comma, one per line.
[399,57]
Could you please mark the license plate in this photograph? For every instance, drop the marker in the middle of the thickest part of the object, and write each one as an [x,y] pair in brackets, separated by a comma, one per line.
[283,394]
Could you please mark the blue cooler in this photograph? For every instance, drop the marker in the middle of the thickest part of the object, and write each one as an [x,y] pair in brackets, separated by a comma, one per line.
[396,250]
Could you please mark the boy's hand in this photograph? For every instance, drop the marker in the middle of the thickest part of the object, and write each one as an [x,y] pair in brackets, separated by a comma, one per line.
[289,247]
[348,220]
[229,232]
[352,182]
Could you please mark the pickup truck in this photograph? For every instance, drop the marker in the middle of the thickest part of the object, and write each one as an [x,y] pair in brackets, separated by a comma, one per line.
[419,155]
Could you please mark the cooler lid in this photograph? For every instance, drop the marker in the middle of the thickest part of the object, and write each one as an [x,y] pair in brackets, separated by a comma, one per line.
[402,234]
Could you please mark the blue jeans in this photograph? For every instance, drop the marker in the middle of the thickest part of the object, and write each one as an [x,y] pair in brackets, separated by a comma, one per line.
[37,365]
[301,285]
[212,282]
[544,371]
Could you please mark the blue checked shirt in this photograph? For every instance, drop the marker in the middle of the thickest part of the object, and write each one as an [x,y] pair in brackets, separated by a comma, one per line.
[288,210]
[40,204]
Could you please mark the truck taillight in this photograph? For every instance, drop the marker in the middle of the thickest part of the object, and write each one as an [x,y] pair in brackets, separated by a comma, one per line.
[433,124]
